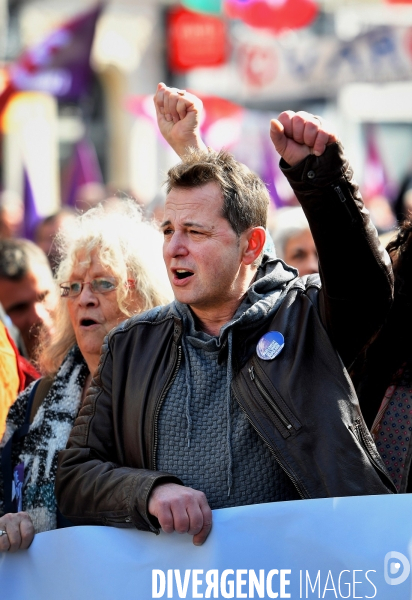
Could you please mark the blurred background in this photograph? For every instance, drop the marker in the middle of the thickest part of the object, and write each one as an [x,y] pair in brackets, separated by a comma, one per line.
[77,79]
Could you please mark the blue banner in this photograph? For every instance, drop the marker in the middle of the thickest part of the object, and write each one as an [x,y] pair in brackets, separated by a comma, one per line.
[332,548]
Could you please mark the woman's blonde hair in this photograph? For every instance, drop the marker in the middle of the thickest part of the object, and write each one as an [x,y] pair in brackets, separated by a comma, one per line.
[124,243]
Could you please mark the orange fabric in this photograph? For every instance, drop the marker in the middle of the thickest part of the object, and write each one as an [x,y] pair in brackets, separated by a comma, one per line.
[9,376]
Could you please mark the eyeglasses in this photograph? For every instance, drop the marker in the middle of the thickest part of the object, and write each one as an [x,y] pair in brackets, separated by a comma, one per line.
[100,285]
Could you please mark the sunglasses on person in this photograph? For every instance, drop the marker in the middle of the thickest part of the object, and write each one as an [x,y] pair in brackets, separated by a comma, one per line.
[100,285]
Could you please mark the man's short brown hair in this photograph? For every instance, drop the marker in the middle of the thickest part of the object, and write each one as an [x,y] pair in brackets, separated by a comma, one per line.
[245,196]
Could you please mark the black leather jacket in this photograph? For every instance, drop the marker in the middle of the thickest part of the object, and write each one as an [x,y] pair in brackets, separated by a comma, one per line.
[302,404]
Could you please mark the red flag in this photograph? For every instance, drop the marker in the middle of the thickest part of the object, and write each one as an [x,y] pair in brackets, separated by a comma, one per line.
[273,14]
[58,65]
[195,40]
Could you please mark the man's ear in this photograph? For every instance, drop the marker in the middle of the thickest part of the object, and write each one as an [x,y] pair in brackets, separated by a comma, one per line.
[256,238]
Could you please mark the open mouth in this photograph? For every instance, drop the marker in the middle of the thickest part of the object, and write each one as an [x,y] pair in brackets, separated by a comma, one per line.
[87,322]
[183,274]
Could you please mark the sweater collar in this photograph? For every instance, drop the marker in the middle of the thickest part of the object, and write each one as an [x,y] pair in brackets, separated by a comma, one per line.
[273,279]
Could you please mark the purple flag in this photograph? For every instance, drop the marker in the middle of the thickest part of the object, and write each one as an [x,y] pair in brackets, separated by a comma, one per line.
[31,216]
[83,168]
[60,64]
[271,173]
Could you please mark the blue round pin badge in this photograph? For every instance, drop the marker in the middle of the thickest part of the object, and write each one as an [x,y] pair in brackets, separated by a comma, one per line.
[270,345]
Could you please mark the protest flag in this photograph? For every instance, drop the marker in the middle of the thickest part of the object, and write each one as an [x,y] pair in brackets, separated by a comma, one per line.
[274,16]
[278,186]
[59,64]
[83,168]
[375,181]
[31,214]
[221,118]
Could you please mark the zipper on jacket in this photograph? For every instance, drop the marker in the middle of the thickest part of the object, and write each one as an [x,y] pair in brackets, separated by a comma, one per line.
[342,198]
[278,459]
[366,444]
[119,519]
[339,193]
[159,404]
[263,391]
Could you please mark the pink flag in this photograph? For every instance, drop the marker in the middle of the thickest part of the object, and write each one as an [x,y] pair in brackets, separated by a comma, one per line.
[221,123]
[375,181]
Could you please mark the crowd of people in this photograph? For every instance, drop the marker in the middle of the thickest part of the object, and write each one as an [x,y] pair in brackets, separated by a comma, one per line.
[154,372]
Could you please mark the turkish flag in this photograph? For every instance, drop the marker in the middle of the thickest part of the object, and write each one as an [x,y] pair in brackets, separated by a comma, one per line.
[273,14]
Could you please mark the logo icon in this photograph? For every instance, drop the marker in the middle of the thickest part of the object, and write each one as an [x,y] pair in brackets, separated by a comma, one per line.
[394,574]
[270,345]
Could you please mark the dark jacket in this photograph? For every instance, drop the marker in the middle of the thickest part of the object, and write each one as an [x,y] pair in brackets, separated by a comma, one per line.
[304,406]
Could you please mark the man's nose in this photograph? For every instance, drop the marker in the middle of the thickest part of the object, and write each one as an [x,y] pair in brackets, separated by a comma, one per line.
[176,245]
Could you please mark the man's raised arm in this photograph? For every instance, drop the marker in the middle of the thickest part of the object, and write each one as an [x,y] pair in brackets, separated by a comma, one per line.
[357,280]
[178,117]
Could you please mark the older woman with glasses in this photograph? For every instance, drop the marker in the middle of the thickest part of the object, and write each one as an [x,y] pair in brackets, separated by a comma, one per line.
[111,268]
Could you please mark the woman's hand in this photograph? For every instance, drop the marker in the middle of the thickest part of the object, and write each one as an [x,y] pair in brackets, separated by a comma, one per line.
[16,532]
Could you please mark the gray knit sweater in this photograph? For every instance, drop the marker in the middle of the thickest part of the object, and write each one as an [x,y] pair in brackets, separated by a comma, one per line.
[204,437]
